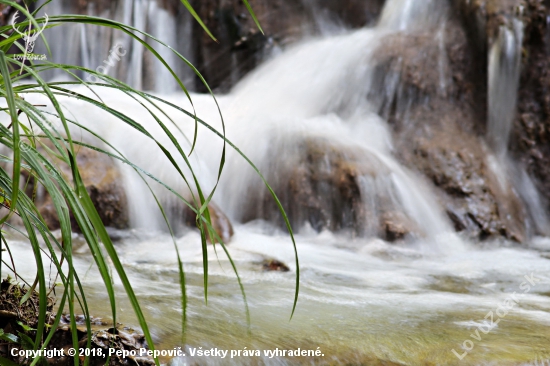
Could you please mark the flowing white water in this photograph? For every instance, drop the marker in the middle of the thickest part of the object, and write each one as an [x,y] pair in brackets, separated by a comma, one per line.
[504,74]
[316,90]
[362,300]
[90,46]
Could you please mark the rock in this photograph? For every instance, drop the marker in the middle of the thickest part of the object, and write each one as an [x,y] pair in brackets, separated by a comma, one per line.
[332,187]
[396,226]
[103,182]
[273,265]
[13,315]
[220,222]
[530,140]
[457,163]
[438,111]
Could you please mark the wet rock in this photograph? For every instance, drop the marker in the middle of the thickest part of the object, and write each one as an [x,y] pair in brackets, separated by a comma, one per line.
[482,18]
[321,190]
[273,265]
[457,163]
[422,68]
[396,226]
[437,106]
[103,182]
[333,187]
[530,140]
[220,222]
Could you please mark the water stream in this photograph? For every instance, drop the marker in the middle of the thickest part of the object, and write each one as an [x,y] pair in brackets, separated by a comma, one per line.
[362,300]
[504,74]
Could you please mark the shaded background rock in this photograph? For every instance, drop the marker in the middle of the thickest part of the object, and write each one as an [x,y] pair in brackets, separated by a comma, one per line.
[241,45]
[484,17]
[7,12]
[530,142]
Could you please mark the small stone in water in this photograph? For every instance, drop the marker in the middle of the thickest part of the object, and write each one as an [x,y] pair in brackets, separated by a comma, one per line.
[274,265]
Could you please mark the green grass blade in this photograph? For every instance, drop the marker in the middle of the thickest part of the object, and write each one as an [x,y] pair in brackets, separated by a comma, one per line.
[198,18]
[10,98]
[249,8]
[273,195]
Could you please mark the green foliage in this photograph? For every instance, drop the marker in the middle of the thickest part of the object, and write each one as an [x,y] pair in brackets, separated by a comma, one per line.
[8,337]
[68,194]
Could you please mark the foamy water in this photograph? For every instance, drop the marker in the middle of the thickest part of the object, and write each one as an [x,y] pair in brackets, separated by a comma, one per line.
[360,299]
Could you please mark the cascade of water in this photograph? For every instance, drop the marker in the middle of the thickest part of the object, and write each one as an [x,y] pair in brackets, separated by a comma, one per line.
[313,93]
[292,99]
[504,73]
[530,195]
[407,15]
[164,28]
[504,76]
[91,46]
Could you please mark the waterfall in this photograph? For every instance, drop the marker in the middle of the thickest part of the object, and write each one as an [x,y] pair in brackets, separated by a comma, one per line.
[530,195]
[321,96]
[504,73]
[314,95]
[91,46]
[505,56]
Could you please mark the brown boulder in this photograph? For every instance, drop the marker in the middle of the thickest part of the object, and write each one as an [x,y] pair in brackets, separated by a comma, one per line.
[273,265]
[396,226]
[457,163]
[220,222]
[102,180]
[333,187]
[438,110]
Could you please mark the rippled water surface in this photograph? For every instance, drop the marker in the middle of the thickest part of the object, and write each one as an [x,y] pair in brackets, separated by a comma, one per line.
[360,301]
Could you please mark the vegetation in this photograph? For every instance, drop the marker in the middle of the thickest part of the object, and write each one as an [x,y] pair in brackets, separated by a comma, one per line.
[30,147]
